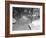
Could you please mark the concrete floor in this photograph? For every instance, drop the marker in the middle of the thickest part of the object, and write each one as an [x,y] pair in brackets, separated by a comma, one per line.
[22,24]
[25,23]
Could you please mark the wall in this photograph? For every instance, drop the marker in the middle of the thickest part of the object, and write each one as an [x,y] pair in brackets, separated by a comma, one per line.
[2,19]
[28,0]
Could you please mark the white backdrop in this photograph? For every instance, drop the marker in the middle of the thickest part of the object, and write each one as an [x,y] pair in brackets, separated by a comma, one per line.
[2,20]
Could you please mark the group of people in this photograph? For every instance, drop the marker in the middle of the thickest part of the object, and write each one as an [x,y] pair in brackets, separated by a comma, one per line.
[23,18]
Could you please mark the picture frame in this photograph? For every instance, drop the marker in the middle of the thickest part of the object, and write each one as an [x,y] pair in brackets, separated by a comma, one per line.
[13,29]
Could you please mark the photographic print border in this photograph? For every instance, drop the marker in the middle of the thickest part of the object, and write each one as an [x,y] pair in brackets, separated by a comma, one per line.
[7,19]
